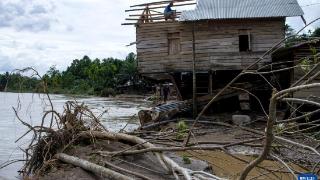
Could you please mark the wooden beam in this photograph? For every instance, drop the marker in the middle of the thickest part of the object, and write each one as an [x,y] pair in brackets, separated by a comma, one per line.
[153,18]
[158,7]
[127,24]
[155,11]
[157,14]
[158,3]
[131,44]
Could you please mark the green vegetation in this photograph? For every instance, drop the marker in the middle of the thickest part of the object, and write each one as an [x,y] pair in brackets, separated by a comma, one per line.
[18,83]
[186,159]
[289,31]
[83,76]
[309,62]
[316,32]
[182,129]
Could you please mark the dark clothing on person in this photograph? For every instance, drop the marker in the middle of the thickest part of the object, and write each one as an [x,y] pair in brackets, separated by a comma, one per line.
[166,91]
[168,9]
[169,13]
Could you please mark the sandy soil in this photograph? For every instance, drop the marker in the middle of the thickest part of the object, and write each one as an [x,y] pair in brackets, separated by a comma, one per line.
[218,162]
[230,166]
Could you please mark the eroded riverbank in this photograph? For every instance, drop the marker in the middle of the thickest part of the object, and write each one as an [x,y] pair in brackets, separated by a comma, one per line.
[216,141]
[118,112]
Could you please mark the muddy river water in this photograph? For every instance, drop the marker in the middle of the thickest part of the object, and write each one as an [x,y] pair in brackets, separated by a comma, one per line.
[31,107]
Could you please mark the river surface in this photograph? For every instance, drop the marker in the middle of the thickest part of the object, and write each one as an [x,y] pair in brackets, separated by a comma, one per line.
[31,108]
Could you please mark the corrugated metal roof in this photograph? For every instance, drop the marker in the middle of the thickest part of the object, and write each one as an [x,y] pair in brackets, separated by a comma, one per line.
[239,9]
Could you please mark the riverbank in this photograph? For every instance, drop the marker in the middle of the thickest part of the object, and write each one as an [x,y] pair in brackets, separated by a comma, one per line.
[217,147]
[108,92]
[228,148]
[81,140]
[120,113]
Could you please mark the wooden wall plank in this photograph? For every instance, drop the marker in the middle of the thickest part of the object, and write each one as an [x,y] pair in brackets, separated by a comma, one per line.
[217,46]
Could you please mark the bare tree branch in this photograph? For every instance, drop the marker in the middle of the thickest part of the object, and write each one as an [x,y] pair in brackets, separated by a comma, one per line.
[286,165]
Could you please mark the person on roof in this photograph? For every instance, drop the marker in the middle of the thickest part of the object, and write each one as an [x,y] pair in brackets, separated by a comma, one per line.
[169,13]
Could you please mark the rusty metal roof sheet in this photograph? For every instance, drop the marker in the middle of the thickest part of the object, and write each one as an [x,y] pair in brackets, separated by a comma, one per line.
[240,9]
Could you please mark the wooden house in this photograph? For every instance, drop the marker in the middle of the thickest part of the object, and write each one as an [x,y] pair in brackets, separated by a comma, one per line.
[215,40]
[304,57]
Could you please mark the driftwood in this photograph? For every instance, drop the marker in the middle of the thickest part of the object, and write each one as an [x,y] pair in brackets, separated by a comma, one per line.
[166,162]
[125,137]
[99,170]
[161,123]
[127,171]
[219,146]
[162,149]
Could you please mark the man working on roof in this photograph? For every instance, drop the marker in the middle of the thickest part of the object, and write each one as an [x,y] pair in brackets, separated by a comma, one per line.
[169,13]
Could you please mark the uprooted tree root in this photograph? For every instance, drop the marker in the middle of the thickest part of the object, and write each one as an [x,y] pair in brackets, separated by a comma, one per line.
[48,141]
[78,124]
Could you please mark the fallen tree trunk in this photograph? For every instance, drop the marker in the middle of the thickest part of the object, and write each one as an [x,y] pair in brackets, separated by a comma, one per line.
[165,161]
[220,146]
[124,137]
[127,171]
[98,170]
[162,149]
[209,122]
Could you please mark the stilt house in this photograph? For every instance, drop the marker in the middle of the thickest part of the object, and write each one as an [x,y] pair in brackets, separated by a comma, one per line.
[216,40]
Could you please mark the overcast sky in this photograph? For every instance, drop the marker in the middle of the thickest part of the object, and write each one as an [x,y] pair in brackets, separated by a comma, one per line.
[42,33]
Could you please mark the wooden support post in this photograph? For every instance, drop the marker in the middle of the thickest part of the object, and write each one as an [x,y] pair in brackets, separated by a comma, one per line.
[176,87]
[147,14]
[142,17]
[194,75]
[210,83]
[150,16]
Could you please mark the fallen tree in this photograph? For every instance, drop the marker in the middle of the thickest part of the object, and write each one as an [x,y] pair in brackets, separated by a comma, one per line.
[166,162]
[78,124]
[107,173]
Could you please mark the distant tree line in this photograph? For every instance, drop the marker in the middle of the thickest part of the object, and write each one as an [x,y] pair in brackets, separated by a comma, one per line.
[305,36]
[16,82]
[84,76]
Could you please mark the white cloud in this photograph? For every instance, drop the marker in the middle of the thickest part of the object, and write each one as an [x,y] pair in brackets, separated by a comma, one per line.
[42,33]
[311,10]
[30,15]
